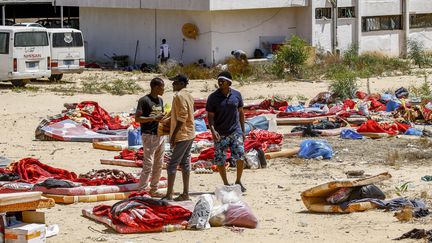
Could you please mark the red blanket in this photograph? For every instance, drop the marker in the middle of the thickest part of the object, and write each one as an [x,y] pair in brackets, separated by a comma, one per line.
[31,171]
[143,214]
[375,127]
[265,138]
[208,154]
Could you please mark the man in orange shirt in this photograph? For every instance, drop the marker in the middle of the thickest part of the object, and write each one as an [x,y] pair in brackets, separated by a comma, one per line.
[182,135]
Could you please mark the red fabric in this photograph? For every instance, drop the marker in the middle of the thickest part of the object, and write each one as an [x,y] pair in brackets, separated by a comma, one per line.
[204,136]
[274,103]
[131,154]
[254,113]
[392,129]
[32,170]
[348,103]
[100,118]
[144,216]
[200,103]
[376,105]
[361,95]
[265,138]
[208,154]
[300,114]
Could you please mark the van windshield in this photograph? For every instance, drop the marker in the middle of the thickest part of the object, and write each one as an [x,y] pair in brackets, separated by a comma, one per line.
[24,39]
[69,39]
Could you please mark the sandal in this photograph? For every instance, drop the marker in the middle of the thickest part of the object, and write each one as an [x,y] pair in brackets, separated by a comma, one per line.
[182,197]
[156,193]
[166,198]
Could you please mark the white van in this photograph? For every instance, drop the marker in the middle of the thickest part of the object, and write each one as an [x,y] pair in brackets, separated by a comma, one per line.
[24,54]
[67,52]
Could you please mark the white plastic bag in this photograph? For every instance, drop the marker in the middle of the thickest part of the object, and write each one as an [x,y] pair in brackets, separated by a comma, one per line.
[201,214]
[228,194]
[252,159]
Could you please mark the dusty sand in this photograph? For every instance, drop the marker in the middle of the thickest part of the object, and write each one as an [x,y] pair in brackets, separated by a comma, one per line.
[273,193]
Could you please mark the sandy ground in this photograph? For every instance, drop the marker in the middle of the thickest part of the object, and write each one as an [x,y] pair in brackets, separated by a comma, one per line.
[273,193]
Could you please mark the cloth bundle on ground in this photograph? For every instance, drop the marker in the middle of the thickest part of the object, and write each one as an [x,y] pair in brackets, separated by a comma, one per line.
[10,187]
[33,171]
[311,149]
[97,116]
[350,134]
[106,177]
[273,103]
[372,126]
[415,113]
[315,199]
[142,214]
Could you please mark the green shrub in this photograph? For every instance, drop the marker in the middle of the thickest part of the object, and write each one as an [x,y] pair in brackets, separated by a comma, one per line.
[291,57]
[417,53]
[344,83]
[122,87]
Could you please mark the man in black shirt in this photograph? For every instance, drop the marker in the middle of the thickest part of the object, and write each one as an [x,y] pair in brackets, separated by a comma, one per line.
[149,112]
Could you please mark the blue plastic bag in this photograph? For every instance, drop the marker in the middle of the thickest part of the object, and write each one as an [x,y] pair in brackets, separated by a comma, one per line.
[258,122]
[414,132]
[200,125]
[134,137]
[392,105]
[310,149]
[350,134]
[294,108]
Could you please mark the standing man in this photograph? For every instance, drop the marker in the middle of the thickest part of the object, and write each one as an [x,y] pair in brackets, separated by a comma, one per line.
[164,52]
[240,55]
[182,135]
[148,113]
[226,121]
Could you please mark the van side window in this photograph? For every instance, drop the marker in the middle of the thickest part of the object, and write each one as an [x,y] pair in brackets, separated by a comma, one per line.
[73,39]
[27,39]
[4,43]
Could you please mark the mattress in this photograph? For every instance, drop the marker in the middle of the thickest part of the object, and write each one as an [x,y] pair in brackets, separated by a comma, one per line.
[88,198]
[94,190]
[114,145]
[19,197]
[120,162]
[123,229]
[315,198]
[300,121]
[27,206]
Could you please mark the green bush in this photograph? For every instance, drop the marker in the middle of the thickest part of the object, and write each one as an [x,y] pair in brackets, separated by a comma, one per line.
[291,57]
[344,83]
[418,54]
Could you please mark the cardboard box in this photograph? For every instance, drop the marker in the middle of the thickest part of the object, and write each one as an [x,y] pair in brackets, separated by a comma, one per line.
[25,233]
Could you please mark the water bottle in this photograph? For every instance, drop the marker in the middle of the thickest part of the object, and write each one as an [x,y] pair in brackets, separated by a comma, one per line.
[172,227]
[134,136]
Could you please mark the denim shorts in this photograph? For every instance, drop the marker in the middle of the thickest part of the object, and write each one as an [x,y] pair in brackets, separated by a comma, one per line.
[234,142]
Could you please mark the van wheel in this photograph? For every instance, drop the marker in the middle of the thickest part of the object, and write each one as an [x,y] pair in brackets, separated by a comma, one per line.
[55,77]
[20,83]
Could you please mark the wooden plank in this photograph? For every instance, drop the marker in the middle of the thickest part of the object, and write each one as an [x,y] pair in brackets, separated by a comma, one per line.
[88,198]
[119,162]
[283,153]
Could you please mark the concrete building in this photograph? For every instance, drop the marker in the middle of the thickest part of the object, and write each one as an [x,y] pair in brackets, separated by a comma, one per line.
[116,26]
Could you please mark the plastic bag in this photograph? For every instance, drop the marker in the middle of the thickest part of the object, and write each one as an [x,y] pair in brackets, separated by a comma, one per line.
[217,215]
[414,132]
[310,149]
[392,105]
[201,214]
[258,122]
[200,125]
[368,191]
[239,214]
[228,194]
[350,134]
[252,159]
[134,136]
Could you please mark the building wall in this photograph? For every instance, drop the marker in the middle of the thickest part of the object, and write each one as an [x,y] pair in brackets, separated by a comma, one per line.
[109,31]
[423,35]
[247,29]
[420,6]
[381,7]
[304,23]
[386,42]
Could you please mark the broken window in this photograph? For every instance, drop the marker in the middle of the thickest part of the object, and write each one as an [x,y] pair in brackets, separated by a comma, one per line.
[381,23]
[323,13]
[420,20]
[346,12]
